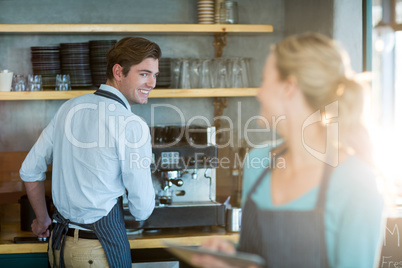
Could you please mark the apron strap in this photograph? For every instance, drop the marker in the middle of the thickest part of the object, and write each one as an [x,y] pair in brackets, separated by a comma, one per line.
[109,95]
[322,194]
[258,182]
[59,232]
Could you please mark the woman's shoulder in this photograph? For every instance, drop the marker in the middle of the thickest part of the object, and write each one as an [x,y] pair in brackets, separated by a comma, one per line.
[355,172]
[354,180]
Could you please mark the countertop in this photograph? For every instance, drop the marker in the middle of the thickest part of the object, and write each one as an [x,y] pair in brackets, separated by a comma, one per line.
[139,240]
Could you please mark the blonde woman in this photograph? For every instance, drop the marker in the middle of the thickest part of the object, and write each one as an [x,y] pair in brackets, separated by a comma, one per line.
[317,204]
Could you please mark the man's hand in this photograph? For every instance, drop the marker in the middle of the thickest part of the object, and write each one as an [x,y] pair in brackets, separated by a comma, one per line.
[41,229]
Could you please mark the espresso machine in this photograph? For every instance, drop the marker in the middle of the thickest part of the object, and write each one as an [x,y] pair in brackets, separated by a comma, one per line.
[184,177]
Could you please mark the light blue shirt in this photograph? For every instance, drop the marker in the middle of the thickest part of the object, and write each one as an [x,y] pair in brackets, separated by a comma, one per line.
[98,149]
[353,215]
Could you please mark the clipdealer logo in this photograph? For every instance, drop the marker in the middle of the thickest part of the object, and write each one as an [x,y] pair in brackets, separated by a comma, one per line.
[331,155]
[112,129]
[116,130]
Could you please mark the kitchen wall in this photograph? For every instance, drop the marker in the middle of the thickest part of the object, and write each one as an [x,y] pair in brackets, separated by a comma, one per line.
[21,122]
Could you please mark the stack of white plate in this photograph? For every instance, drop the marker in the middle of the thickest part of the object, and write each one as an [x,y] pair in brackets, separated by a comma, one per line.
[206,11]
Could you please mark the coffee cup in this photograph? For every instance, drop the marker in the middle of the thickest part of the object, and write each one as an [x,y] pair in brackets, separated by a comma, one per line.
[6,80]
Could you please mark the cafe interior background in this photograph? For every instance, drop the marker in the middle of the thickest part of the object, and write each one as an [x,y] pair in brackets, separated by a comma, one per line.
[359,25]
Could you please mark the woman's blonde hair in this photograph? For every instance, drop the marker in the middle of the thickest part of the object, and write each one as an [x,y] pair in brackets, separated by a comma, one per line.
[324,75]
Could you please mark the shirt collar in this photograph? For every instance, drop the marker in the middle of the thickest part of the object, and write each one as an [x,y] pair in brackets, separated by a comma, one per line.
[116,92]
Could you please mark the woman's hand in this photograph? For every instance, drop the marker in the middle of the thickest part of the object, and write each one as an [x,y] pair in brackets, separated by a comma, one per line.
[214,244]
[219,244]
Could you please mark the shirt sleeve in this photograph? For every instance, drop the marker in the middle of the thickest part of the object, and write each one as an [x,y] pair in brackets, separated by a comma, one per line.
[359,222]
[135,154]
[39,157]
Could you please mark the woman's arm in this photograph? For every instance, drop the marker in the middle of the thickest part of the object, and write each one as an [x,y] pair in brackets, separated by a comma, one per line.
[354,219]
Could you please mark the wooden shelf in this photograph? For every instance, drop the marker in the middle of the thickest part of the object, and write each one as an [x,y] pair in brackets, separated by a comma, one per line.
[135,28]
[156,93]
[188,237]
[203,92]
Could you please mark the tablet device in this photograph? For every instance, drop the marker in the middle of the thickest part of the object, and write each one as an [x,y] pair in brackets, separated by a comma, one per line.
[240,259]
[30,239]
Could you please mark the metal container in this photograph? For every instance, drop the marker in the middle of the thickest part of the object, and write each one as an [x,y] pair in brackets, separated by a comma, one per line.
[233,219]
[27,214]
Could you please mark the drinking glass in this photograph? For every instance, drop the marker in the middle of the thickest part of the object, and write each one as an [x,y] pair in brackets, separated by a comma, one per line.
[175,73]
[221,73]
[195,73]
[239,73]
[63,82]
[34,82]
[19,82]
[246,63]
[235,78]
[243,72]
[206,75]
[184,81]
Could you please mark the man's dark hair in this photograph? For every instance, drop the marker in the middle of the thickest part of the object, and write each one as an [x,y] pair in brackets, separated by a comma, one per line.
[130,51]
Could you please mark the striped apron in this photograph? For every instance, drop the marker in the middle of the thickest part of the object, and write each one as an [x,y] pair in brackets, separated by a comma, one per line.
[286,238]
[110,231]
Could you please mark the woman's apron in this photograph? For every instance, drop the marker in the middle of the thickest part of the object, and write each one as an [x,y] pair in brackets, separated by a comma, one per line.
[286,238]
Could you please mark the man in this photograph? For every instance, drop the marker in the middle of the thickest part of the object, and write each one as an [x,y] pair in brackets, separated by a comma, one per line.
[94,143]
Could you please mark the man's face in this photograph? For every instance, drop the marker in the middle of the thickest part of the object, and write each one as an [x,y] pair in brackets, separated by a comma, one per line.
[140,80]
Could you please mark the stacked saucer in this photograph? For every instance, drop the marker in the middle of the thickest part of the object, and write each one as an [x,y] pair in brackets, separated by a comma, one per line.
[206,11]
[164,77]
[46,62]
[75,62]
[97,57]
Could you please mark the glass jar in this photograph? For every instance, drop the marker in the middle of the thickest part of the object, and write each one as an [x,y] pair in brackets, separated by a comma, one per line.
[229,12]
[218,10]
